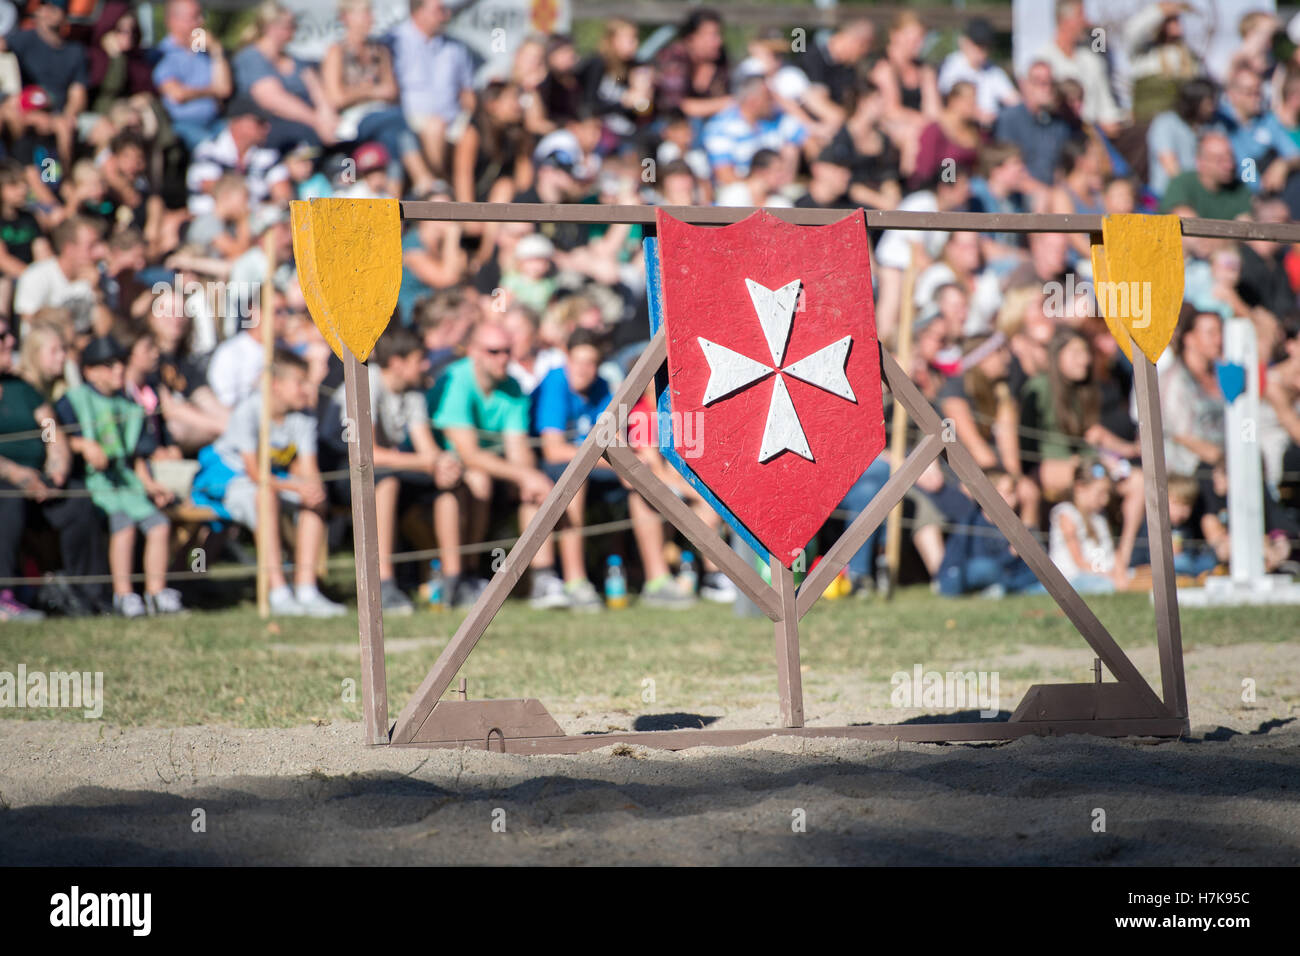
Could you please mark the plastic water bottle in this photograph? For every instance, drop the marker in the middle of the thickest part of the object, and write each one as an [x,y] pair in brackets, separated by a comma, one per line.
[435,585]
[615,582]
[688,578]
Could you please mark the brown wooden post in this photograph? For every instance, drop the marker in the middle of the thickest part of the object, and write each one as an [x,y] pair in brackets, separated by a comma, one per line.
[365,534]
[1151,433]
[789,679]
[266,316]
[898,434]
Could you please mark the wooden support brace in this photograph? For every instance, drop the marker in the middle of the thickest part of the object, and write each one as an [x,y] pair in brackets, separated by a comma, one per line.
[789,679]
[453,656]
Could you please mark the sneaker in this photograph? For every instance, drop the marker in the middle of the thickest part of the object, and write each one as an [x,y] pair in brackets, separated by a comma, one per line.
[166,601]
[393,600]
[863,585]
[664,592]
[284,604]
[11,609]
[129,605]
[465,591]
[582,596]
[59,597]
[315,604]
[548,592]
[718,588]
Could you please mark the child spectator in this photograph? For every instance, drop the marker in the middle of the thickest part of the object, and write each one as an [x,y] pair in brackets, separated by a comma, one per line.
[1192,557]
[530,278]
[443,322]
[410,469]
[295,483]
[21,238]
[1079,539]
[976,557]
[109,435]
[566,406]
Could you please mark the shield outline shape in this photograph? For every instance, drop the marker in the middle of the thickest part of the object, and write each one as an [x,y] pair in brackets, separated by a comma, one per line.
[702,271]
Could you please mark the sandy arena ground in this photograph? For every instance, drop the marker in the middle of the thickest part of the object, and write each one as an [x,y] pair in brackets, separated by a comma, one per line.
[91,793]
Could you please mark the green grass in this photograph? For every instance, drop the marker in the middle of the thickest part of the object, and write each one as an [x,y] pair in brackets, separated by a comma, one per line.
[231,668]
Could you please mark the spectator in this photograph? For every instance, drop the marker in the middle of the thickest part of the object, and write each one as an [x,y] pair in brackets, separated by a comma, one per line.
[561,91]
[192,413]
[118,68]
[1159,59]
[435,76]
[615,85]
[286,90]
[239,148]
[1035,125]
[410,468]
[111,440]
[693,75]
[566,406]
[192,82]
[1212,189]
[831,65]
[432,258]
[1070,57]
[531,360]
[443,321]
[359,84]
[735,134]
[33,475]
[57,66]
[68,278]
[908,85]
[479,408]
[951,142]
[1264,150]
[1192,557]
[1000,187]
[1190,396]
[876,160]
[768,175]
[1172,135]
[828,188]
[41,364]
[491,161]
[295,483]
[976,557]
[972,62]
[1079,539]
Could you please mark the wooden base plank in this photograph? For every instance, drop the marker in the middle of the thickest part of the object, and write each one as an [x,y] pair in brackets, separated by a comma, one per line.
[910,733]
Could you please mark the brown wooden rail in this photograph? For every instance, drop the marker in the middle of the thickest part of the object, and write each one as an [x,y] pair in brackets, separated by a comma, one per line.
[722,215]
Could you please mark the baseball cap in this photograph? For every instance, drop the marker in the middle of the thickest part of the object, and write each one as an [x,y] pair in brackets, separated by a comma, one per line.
[534,246]
[265,216]
[33,98]
[980,32]
[837,153]
[303,150]
[244,106]
[370,157]
[560,159]
[104,350]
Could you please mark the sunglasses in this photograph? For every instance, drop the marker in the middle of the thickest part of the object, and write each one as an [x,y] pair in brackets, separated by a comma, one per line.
[503,351]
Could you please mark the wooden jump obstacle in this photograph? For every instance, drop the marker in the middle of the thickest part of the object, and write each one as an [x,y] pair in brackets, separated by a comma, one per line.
[348,258]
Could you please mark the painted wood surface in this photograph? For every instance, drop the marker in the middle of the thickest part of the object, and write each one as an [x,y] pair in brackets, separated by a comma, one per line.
[1138,280]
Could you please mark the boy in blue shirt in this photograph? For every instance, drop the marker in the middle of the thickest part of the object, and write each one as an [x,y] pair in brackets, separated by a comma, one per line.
[566,405]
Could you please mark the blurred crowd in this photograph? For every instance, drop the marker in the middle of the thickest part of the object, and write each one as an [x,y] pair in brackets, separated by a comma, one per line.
[142,188]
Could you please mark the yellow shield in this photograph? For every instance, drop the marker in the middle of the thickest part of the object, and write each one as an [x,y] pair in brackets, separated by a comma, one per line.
[349,258]
[1138,278]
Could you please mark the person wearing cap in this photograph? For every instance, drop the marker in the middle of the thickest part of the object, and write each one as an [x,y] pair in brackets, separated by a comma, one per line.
[529,276]
[34,142]
[192,82]
[108,432]
[69,278]
[238,148]
[435,74]
[829,186]
[58,65]
[972,62]
[370,179]
[735,134]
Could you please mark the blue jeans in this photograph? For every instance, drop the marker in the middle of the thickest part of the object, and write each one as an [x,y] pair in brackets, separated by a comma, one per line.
[982,572]
[856,501]
[388,126]
[191,134]
[1195,561]
[1092,584]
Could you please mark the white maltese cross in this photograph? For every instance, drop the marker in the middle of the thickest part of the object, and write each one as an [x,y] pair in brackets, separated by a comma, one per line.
[730,372]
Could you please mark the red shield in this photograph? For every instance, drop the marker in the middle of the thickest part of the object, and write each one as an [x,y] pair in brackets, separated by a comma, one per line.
[773,366]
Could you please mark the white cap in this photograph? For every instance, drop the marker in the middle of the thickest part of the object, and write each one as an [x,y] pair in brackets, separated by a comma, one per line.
[534,246]
[1293,29]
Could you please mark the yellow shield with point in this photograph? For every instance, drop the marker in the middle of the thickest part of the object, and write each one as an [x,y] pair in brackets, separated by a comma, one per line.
[349,258]
[1138,278]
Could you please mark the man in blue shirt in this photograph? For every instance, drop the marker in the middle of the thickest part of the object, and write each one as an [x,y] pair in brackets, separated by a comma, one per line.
[1261,144]
[1035,125]
[435,75]
[566,405]
[733,136]
[192,74]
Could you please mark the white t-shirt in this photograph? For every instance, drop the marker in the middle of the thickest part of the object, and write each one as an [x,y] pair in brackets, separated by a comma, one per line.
[993,88]
[43,284]
[1098,553]
[894,249]
[235,369]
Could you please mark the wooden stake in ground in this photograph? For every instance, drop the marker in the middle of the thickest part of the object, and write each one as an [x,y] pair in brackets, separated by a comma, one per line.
[898,435]
[266,317]
[349,259]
